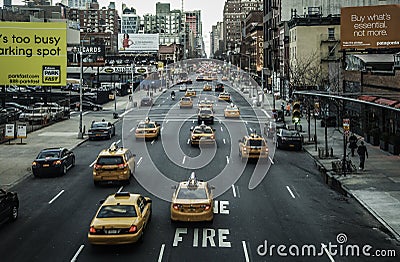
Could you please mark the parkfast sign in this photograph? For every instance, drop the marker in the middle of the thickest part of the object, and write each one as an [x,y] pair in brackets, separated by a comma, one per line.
[33,53]
[369,27]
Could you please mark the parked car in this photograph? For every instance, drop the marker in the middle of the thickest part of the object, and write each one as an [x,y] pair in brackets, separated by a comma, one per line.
[9,204]
[34,115]
[16,105]
[101,130]
[87,105]
[53,161]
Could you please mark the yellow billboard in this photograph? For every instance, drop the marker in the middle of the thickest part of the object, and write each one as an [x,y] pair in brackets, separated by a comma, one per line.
[33,53]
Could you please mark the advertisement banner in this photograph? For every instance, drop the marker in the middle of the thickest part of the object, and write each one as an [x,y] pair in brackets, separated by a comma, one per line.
[366,27]
[10,132]
[91,55]
[21,131]
[33,53]
[138,43]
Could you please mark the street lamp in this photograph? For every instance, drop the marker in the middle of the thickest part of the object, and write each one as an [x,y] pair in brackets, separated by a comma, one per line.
[80,134]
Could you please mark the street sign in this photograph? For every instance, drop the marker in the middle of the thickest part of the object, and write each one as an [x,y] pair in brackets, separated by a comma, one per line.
[21,131]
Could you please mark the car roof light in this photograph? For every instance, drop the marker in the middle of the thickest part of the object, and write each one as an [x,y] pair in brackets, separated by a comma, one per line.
[122,194]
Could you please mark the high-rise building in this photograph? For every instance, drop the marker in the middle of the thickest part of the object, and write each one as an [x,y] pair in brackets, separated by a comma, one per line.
[130,21]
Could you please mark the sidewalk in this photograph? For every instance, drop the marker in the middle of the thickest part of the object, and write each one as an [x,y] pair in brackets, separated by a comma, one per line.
[377,187]
[16,158]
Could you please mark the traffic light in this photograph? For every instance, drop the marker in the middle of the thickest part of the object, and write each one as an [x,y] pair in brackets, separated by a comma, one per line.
[296,113]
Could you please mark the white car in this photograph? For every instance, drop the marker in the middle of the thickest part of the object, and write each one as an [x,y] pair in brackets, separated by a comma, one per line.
[182,88]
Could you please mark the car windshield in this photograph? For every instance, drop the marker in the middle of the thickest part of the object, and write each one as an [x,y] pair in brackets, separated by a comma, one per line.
[205,112]
[49,154]
[192,193]
[202,131]
[289,133]
[255,142]
[110,160]
[117,211]
[144,125]
[186,99]
[99,124]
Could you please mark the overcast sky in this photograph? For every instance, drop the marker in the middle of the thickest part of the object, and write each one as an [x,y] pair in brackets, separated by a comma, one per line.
[211,10]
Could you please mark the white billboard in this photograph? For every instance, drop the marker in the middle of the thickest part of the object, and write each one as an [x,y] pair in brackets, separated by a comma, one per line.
[131,43]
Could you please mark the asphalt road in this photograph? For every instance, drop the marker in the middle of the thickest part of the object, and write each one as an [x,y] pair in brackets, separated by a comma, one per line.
[258,206]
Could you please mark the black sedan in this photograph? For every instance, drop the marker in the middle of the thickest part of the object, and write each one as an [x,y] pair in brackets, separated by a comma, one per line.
[219,87]
[9,205]
[53,161]
[289,139]
[87,105]
[101,130]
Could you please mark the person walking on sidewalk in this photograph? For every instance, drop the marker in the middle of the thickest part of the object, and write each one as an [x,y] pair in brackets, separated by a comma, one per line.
[287,109]
[353,143]
[362,152]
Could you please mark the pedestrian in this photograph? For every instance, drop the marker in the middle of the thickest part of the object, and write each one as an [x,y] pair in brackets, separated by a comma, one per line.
[287,109]
[362,152]
[353,143]
[282,106]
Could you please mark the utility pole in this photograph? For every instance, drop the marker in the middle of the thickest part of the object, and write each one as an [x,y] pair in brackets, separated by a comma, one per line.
[184,33]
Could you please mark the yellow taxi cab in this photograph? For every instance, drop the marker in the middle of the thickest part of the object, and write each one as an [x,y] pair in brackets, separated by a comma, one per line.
[224,96]
[207,87]
[253,146]
[192,201]
[114,164]
[224,78]
[202,134]
[186,102]
[190,93]
[205,103]
[121,219]
[231,111]
[147,129]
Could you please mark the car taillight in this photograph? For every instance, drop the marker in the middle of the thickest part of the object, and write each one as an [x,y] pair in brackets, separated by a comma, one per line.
[212,137]
[122,166]
[92,230]
[132,229]
[176,206]
[97,166]
[57,162]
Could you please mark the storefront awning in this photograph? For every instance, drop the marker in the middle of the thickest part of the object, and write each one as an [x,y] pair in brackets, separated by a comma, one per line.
[367,98]
[387,102]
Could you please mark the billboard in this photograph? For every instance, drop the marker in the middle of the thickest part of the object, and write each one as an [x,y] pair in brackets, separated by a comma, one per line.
[131,43]
[33,53]
[365,27]
[93,55]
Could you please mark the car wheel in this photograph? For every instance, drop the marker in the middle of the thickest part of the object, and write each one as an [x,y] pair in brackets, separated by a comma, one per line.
[73,162]
[14,213]
[96,183]
[64,170]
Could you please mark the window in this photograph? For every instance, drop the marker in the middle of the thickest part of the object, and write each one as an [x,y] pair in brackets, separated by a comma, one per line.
[331,33]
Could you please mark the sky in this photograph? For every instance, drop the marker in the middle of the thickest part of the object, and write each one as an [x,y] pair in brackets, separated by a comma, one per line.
[211,10]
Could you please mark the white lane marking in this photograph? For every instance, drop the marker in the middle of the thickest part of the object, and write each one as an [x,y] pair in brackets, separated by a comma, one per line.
[265,112]
[220,121]
[251,130]
[290,191]
[139,161]
[160,256]
[77,253]
[222,130]
[152,142]
[162,128]
[120,189]
[270,159]
[227,159]
[237,191]
[163,101]
[126,112]
[167,121]
[184,158]
[245,122]
[327,252]
[159,105]
[246,255]
[193,121]
[188,141]
[234,190]
[133,128]
[223,140]
[54,198]
[91,165]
